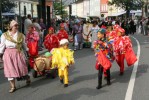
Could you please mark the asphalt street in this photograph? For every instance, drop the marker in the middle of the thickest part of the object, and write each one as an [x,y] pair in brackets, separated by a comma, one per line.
[83,80]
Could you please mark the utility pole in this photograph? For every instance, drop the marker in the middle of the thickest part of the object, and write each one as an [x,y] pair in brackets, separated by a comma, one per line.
[1,14]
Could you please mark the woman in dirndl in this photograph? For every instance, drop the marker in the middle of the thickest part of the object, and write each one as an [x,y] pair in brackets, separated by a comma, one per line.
[15,66]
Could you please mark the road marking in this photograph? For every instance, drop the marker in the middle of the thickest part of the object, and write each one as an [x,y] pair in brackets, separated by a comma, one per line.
[130,88]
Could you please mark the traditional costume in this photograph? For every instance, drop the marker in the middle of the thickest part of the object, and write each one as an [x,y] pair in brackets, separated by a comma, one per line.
[62,34]
[51,40]
[32,39]
[104,57]
[14,59]
[123,50]
[62,58]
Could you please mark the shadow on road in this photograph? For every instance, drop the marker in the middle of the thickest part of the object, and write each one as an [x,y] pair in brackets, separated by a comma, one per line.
[142,69]
[84,78]
[75,95]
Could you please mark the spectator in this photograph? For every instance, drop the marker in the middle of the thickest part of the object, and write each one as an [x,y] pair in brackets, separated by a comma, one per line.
[38,29]
[27,22]
[43,28]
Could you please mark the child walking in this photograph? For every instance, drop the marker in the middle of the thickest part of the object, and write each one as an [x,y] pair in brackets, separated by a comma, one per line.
[62,58]
[104,56]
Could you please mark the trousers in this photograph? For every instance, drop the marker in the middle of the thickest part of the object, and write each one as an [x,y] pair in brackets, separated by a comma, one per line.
[100,72]
[120,61]
[63,75]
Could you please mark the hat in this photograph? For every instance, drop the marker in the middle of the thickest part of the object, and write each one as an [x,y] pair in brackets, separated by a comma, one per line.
[51,29]
[63,41]
[62,25]
[77,21]
[121,30]
[116,26]
[102,31]
[13,23]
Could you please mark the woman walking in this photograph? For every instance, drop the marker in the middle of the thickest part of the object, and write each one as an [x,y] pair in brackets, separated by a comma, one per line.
[11,45]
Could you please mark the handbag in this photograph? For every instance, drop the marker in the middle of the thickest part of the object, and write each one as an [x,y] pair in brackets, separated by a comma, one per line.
[104,61]
[33,48]
[130,57]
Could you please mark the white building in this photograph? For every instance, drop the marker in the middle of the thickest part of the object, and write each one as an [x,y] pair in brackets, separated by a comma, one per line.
[31,7]
[85,8]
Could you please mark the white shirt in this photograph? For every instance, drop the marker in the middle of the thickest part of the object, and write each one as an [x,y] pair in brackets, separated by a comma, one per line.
[8,44]
[37,26]
[27,22]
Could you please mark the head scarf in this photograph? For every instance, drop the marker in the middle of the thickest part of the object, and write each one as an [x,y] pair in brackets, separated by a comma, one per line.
[13,23]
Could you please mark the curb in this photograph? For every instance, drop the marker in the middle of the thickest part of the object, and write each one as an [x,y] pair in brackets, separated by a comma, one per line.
[40,53]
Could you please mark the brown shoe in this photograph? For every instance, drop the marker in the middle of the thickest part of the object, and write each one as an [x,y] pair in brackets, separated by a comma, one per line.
[12,90]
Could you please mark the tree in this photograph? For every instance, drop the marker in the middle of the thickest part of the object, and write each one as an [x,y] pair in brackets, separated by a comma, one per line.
[60,9]
[127,4]
[7,5]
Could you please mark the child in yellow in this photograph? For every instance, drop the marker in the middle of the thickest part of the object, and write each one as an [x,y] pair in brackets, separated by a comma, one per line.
[62,58]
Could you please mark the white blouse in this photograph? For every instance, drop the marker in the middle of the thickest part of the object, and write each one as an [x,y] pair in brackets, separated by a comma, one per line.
[8,44]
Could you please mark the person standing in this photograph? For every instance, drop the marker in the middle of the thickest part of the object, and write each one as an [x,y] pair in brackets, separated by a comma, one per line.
[38,29]
[78,38]
[32,39]
[62,33]
[93,32]
[51,40]
[43,28]
[11,45]
[27,22]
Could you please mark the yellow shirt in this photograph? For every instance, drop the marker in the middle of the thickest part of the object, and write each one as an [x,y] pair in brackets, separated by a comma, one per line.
[62,58]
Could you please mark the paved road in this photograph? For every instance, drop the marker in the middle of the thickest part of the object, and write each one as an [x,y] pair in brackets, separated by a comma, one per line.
[83,81]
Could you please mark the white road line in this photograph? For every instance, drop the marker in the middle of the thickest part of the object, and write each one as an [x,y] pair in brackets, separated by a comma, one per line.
[130,88]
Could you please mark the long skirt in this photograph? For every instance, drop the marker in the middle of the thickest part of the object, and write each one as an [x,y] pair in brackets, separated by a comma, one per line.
[14,64]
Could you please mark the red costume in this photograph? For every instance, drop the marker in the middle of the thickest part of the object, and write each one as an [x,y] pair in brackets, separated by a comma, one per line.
[51,40]
[62,34]
[32,39]
[123,49]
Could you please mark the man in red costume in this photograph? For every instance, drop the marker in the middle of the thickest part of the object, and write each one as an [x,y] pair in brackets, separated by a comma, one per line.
[62,34]
[51,40]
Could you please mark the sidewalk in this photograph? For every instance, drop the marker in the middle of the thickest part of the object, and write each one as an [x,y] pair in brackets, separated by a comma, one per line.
[40,53]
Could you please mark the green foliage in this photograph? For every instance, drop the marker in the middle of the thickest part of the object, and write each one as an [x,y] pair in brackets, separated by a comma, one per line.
[7,5]
[59,10]
[128,4]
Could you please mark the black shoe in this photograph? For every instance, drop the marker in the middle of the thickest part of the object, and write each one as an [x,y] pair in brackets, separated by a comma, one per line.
[65,85]
[61,81]
[121,73]
[98,87]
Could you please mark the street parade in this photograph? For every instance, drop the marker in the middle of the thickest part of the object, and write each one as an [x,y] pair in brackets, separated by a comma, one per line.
[66,57]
